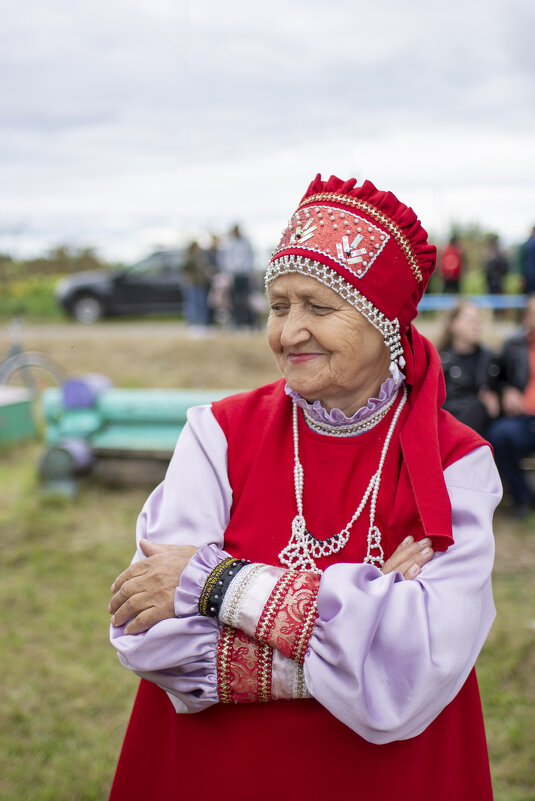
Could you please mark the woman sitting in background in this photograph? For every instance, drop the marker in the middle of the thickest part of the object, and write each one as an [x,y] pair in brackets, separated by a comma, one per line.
[470,369]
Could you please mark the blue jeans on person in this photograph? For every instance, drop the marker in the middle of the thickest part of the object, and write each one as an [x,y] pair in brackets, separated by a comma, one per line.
[196,305]
[513,438]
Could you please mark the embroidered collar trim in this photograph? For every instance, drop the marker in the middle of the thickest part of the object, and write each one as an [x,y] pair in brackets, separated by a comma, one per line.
[336,419]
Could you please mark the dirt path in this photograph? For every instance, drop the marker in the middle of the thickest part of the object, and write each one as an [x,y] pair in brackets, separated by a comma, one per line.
[164,354]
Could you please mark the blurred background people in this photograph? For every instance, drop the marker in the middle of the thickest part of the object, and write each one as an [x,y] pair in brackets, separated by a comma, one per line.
[236,260]
[196,279]
[451,265]
[211,254]
[527,263]
[470,369]
[496,267]
[513,434]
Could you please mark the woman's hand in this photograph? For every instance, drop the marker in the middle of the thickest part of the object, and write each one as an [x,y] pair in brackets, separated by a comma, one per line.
[490,401]
[144,594]
[409,557]
[513,402]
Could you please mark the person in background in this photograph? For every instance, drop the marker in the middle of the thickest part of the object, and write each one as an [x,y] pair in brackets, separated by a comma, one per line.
[196,278]
[527,263]
[452,265]
[470,369]
[311,586]
[496,267]
[513,434]
[236,260]
[212,257]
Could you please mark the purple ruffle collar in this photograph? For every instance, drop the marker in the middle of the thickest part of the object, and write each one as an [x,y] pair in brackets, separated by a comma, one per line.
[336,417]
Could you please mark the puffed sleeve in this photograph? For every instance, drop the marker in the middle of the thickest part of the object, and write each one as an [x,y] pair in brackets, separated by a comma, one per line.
[387,655]
[384,655]
[191,506]
[181,654]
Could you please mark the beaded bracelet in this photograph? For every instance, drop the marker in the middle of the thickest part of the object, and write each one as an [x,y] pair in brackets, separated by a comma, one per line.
[217,584]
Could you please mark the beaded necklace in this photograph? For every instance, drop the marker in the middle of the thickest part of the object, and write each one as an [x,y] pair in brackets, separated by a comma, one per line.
[304,548]
[350,429]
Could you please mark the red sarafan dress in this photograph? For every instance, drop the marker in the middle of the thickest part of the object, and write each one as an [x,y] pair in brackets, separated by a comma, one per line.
[297,750]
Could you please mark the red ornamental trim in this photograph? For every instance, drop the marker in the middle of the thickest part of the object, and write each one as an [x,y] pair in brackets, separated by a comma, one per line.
[278,594]
[224,647]
[301,642]
[350,240]
[377,215]
[244,668]
[288,618]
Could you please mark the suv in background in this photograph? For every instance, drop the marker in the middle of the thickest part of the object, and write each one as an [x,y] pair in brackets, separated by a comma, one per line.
[153,284]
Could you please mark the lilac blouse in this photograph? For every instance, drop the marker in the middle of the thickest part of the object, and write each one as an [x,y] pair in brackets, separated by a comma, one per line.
[386,655]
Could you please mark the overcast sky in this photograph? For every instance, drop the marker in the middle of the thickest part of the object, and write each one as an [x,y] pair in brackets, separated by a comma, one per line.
[130,124]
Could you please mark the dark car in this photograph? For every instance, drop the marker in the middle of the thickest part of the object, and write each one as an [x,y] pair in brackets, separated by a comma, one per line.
[151,285]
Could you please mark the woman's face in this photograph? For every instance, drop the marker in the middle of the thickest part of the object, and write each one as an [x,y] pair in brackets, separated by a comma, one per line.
[466,327]
[325,349]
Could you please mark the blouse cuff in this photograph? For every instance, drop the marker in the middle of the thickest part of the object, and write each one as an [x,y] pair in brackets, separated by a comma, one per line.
[277,607]
[249,671]
[192,581]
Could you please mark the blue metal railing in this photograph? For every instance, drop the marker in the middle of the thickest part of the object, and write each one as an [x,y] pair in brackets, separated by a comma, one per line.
[443,302]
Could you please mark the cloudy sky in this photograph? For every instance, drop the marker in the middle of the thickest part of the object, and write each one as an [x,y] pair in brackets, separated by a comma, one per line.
[130,124]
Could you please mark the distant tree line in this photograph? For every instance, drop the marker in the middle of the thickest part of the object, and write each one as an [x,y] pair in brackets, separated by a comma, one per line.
[59,261]
[65,259]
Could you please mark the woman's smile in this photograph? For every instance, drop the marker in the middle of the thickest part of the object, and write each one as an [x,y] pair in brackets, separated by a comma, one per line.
[301,358]
[325,349]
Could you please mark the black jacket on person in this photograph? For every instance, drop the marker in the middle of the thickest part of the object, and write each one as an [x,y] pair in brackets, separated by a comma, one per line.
[514,363]
[465,375]
[496,268]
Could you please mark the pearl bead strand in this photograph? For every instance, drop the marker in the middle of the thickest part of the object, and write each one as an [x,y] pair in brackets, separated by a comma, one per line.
[303,548]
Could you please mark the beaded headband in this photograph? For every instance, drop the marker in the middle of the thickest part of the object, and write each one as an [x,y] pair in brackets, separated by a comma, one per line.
[389,329]
[365,245]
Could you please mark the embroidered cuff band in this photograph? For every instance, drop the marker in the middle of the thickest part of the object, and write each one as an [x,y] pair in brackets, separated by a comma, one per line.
[216,585]
[250,672]
[288,618]
[244,668]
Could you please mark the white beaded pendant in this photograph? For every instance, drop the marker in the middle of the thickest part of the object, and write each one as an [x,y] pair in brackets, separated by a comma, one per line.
[303,548]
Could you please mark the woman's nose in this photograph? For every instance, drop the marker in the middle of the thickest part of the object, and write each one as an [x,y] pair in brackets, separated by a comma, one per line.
[294,330]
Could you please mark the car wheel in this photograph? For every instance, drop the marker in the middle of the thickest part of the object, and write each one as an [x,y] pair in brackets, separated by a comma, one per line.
[87,309]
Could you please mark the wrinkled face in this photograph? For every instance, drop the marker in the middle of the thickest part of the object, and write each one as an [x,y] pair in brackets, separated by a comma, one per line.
[325,349]
[467,325]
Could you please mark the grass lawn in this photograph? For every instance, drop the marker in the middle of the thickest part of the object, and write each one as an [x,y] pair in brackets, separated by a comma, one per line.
[65,700]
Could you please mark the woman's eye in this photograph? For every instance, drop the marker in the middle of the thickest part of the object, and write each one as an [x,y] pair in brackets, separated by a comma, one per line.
[320,309]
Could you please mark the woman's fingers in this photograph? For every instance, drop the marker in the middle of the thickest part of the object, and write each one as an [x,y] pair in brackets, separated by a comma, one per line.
[143,594]
[127,603]
[409,557]
[413,566]
[144,621]
[122,577]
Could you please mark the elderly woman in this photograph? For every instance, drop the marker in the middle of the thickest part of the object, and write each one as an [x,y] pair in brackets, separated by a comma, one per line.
[312,578]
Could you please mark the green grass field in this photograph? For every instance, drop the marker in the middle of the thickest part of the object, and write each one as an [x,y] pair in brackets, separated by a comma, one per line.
[65,699]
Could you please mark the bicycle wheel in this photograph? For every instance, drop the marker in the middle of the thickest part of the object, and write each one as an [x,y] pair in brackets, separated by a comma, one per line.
[32,371]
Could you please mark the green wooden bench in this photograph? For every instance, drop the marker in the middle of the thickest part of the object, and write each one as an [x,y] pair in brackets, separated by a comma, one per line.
[121,435]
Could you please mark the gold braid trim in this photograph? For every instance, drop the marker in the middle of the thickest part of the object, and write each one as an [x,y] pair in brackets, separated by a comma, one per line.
[224,649]
[300,648]
[265,660]
[230,617]
[244,668]
[210,583]
[300,690]
[394,229]
[271,608]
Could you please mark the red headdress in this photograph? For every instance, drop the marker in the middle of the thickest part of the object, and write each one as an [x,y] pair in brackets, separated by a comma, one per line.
[373,251]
